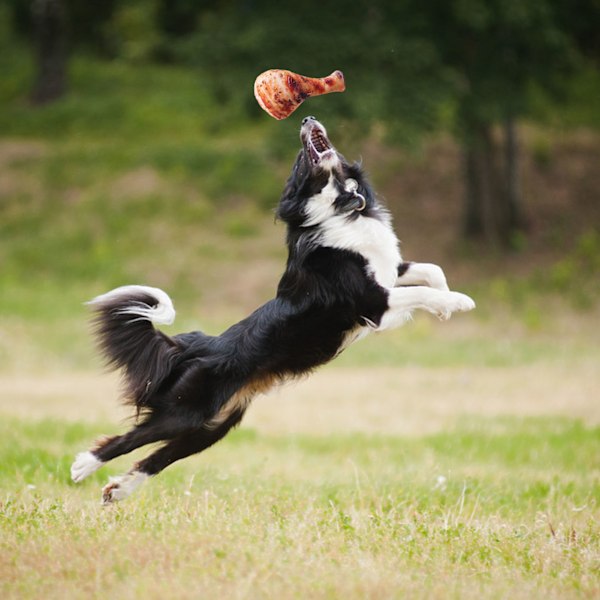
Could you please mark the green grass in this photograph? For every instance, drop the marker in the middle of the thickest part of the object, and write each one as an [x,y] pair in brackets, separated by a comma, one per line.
[491,509]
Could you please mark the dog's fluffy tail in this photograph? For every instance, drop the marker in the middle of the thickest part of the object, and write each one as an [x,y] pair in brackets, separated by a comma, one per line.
[128,340]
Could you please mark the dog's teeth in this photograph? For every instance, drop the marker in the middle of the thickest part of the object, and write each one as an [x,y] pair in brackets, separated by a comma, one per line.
[319,141]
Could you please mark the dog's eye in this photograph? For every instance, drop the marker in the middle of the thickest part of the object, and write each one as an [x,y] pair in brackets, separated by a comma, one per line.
[351,185]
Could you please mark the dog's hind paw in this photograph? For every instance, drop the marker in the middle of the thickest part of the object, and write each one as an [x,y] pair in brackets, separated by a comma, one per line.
[84,465]
[118,488]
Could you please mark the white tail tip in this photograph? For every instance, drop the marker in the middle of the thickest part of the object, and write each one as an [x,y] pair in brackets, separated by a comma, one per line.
[162,312]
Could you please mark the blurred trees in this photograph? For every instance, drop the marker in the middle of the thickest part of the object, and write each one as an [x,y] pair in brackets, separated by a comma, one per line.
[497,50]
[49,26]
[413,66]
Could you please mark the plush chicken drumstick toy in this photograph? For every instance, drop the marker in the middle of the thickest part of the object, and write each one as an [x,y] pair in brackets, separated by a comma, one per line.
[280,92]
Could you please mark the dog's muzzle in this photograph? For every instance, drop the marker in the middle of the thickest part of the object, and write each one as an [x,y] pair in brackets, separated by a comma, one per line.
[315,141]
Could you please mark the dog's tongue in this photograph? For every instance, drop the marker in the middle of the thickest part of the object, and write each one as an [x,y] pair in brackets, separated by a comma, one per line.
[280,92]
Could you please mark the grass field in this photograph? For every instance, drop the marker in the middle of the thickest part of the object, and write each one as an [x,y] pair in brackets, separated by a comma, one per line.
[361,482]
[490,508]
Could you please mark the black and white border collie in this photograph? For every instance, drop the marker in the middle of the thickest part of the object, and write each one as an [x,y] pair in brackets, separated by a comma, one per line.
[344,278]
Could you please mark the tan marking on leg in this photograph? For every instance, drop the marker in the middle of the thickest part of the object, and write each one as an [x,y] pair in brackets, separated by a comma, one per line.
[242,398]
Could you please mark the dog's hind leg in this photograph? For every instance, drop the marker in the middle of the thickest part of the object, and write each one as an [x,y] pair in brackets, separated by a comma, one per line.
[153,430]
[185,445]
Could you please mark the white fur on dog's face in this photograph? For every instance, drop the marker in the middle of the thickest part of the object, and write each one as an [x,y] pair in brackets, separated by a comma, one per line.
[326,165]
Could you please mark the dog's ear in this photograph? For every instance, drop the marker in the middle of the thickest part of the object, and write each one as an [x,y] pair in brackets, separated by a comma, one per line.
[355,171]
[289,209]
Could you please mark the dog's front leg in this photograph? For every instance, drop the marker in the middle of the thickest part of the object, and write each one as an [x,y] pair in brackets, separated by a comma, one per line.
[411,273]
[403,300]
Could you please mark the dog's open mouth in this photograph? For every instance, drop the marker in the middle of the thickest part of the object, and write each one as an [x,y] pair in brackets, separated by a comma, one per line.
[318,140]
[315,140]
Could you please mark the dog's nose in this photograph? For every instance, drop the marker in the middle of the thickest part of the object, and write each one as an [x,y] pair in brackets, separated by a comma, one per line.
[307,119]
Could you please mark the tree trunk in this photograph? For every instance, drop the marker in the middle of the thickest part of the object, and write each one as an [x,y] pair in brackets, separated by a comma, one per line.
[49,19]
[492,192]
[515,217]
[473,219]
[481,207]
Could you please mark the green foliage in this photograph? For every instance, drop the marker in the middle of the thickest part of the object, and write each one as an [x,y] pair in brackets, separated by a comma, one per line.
[578,107]
[392,70]
[134,31]
[88,23]
[577,275]
[110,100]
[498,49]
[407,63]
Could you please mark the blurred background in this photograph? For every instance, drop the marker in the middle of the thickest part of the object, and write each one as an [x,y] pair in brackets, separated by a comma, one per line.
[132,150]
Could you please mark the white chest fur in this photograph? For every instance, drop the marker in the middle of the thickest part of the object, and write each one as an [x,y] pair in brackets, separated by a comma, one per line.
[373,239]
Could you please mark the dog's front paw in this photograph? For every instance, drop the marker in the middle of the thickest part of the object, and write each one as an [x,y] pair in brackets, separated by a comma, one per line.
[455,302]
